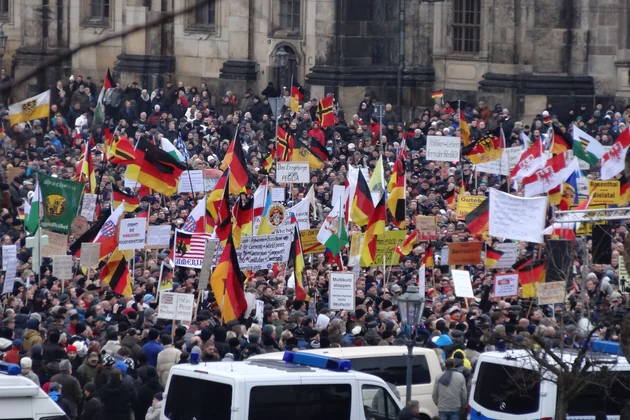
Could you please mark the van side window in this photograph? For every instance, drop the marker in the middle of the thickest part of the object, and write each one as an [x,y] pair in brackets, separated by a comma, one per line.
[394,369]
[303,402]
[378,404]
[190,398]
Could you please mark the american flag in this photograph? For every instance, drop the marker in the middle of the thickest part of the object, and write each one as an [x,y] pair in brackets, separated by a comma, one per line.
[197,244]
[109,229]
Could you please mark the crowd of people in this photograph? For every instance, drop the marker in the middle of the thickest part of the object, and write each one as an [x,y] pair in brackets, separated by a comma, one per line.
[97,353]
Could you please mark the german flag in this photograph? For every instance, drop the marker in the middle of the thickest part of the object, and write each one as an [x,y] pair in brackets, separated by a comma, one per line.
[131,201]
[302,153]
[562,142]
[463,127]
[122,151]
[487,149]
[235,160]
[116,274]
[88,236]
[530,275]
[410,241]
[375,227]
[284,145]
[268,161]
[362,205]
[85,170]
[297,95]
[214,201]
[437,94]
[108,82]
[108,140]
[624,191]
[159,170]
[492,256]
[462,187]
[319,150]
[428,260]
[227,284]
[243,215]
[297,257]
[396,198]
[223,222]
[523,262]
[477,220]
[325,114]
[450,197]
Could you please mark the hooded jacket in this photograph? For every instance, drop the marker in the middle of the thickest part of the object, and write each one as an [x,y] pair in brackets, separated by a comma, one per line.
[32,337]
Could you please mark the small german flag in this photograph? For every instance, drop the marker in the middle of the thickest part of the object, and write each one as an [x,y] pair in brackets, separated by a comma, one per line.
[362,205]
[410,241]
[396,199]
[530,275]
[296,255]
[116,274]
[131,201]
[214,201]
[223,222]
[437,94]
[375,227]
[428,260]
[268,161]
[325,114]
[243,216]
[159,170]
[561,141]
[492,256]
[624,191]
[284,145]
[227,284]
[477,220]
[235,160]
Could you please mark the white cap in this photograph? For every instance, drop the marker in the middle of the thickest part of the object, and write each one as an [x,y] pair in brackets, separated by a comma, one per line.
[505,111]
[545,114]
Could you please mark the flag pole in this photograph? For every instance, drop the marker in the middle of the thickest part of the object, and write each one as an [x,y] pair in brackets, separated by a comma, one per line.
[38,231]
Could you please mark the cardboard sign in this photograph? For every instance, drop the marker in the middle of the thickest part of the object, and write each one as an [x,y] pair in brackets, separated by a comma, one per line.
[208,258]
[62,266]
[310,244]
[467,203]
[385,245]
[509,257]
[606,192]
[10,274]
[505,285]
[463,286]
[211,179]
[503,166]
[191,182]
[277,195]
[255,252]
[293,172]
[90,255]
[422,280]
[443,149]
[341,291]
[132,233]
[158,236]
[550,293]
[339,192]
[464,253]
[57,244]
[426,227]
[8,252]
[177,306]
[517,218]
[88,206]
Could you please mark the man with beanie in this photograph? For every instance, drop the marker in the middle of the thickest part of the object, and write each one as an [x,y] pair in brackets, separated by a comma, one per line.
[153,347]
[70,387]
[116,398]
[13,355]
[156,407]
[449,392]
[92,406]
[27,370]
[32,335]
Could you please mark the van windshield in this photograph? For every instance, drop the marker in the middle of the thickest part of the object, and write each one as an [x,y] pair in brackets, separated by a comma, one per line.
[190,398]
[608,394]
[507,389]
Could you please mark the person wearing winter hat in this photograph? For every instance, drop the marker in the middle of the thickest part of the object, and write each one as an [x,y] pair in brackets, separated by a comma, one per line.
[87,370]
[92,406]
[13,355]
[156,407]
[27,364]
[32,335]
[71,388]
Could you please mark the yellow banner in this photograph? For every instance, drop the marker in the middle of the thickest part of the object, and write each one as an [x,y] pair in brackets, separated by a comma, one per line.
[607,192]
[309,242]
[385,245]
[467,203]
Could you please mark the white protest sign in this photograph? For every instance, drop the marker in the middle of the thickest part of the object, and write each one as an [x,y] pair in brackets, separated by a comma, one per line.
[9,276]
[129,183]
[552,292]
[443,149]
[62,266]
[90,255]
[88,206]
[277,194]
[509,159]
[191,181]
[463,286]
[8,251]
[422,280]
[158,236]
[260,311]
[293,172]
[506,285]
[339,192]
[177,306]
[509,257]
[258,252]
[132,233]
[517,218]
[208,259]
[443,256]
[341,291]
[57,244]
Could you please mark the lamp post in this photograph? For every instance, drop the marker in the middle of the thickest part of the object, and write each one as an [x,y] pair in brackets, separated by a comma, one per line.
[282,58]
[3,44]
[410,307]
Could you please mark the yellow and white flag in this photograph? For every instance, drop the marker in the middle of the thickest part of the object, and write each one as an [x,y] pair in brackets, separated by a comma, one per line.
[30,109]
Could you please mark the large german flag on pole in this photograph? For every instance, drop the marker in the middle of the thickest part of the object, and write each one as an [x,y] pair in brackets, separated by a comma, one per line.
[562,142]
[530,275]
[362,205]
[116,274]
[477,220]
[121,151]
[325,114]
[296,255]
[213,203]
[284,145]
[235,160]
[243,215]
[297,95]
[159,170]
[227,284]
[223,222]
[376,226]
[396,199]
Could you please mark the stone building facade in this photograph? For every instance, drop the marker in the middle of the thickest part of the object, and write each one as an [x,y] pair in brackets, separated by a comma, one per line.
[521,53]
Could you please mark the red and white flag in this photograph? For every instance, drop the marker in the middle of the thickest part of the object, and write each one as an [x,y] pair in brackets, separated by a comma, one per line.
[613,162]
[108,235]
[195,222]
[566,227]
[554,173]
[530,161]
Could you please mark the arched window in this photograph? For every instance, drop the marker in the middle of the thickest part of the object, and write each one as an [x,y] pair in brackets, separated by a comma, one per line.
[285,65]
[466,26]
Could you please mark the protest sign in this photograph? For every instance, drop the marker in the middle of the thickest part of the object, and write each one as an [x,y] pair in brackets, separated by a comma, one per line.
[260,311]
[158,236]
[517,218]
[132,233]
[385,245]
[623,273]
[339,192]
[57,244]
[8,252]
[208,258]
[13,173]
[310,244]
[62,199]
[443,256]
[463,253]
[463,286]
[292,172]
[505,285]
[341,291]
[422,280]
[550,293]
[426,227]
[90,255]
[605,192]
[62,266]
[277,195]
[88,207]
[211,179]
[509,257]
[191,181]
[503,166]
[467,203]
[258,252]
[177,306]
[10,274]
[354,255]
[443,149]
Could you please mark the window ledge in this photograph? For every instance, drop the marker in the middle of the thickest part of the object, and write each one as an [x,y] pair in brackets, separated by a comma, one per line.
[286,33]
[201,29]
[95,24]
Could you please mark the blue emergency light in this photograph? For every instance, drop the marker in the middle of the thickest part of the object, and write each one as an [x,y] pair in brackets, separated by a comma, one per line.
[10,368]
[316,360]
[607,347]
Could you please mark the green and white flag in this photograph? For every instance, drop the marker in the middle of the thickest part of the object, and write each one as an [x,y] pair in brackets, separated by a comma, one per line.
[32,220]
[586,147]
[333,234]
[170,148]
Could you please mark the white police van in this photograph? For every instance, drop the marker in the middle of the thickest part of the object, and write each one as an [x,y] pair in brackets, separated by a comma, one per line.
[301,386]
[511,385]
[21,398]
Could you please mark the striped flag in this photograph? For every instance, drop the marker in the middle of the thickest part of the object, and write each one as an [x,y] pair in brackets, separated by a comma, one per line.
[189,248]
[182,147]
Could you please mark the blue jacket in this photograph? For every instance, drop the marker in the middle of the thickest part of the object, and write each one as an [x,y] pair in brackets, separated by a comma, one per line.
[151,350]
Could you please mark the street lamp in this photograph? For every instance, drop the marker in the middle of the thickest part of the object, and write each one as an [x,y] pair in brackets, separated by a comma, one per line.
[410,307]
[3,44]
[282,59]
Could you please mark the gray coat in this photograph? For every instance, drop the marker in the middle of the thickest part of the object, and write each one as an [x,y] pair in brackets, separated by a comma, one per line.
[450,396]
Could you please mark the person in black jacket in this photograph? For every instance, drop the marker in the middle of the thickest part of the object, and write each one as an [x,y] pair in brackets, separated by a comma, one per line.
[92,407]
[116,398]
[150,387]
[54,392]
[52,349]
[411,411]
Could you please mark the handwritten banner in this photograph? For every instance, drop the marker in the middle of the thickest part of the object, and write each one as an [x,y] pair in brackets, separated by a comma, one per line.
[605,192]
[510,255]
[57,244]
[191,181]
[62,266]
[517,218]
[443,149]
[550,293]
[463,253]
[90,255]
[341,291]
[310,244]
[177,306]
[132,233]
[463,286]
[426,227]
[292,172]
[158,236]
[259,252]
[509,159]
[88,207]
